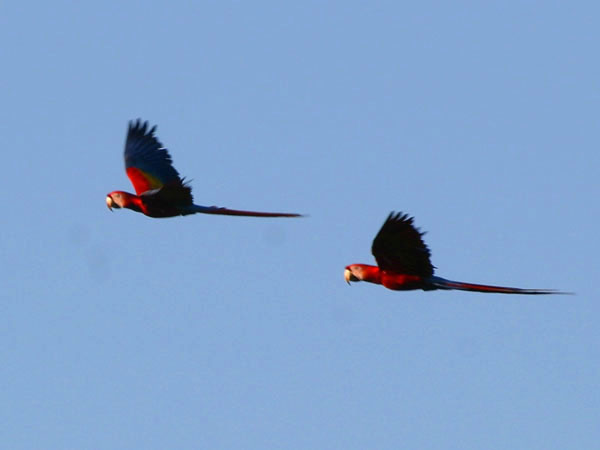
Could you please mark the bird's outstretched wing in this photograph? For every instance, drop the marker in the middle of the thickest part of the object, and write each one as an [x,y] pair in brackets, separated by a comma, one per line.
[399,247]
[147,163]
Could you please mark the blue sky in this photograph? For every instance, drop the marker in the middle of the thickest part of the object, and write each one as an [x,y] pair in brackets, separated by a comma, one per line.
[478,118]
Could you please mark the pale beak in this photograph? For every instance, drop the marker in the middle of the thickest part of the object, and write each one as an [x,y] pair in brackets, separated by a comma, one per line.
[347,275]
[109,202]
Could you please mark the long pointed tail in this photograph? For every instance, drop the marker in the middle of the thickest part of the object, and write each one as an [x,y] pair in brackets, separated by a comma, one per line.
[234,212]
[441,283]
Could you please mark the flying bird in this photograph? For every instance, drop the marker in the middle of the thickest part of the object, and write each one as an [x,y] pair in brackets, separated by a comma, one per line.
[159,190]
[403,263]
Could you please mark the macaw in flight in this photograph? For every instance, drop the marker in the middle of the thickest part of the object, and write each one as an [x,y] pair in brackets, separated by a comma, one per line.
[403,263]
[161,192]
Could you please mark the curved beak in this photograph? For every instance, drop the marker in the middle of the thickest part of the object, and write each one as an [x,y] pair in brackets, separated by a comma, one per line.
[109,202]
[347,275]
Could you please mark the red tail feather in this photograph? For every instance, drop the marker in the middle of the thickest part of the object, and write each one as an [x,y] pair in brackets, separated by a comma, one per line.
[234,212]
[441,283]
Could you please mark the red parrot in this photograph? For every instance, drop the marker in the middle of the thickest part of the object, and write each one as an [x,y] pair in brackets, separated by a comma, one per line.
[161,192]
[403,263]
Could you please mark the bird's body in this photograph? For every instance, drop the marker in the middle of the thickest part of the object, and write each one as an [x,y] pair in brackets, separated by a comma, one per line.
[403,263]
[160,191]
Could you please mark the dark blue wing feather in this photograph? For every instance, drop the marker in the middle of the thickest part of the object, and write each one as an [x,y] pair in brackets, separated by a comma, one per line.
[147,163]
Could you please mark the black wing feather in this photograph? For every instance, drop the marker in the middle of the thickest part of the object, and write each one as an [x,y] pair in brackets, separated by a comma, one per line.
[399,247]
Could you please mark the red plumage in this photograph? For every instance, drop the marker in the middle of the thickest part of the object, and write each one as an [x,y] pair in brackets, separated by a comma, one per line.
[403,263]
[160,191]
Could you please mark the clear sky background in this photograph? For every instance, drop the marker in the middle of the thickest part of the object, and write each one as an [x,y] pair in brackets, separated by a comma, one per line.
[481,119]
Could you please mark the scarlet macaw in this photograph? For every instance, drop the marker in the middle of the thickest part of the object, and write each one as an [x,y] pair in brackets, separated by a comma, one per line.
[403,263]
[161,192]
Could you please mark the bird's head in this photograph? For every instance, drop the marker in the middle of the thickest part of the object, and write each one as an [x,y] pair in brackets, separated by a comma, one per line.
[353,272]
[115,199]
